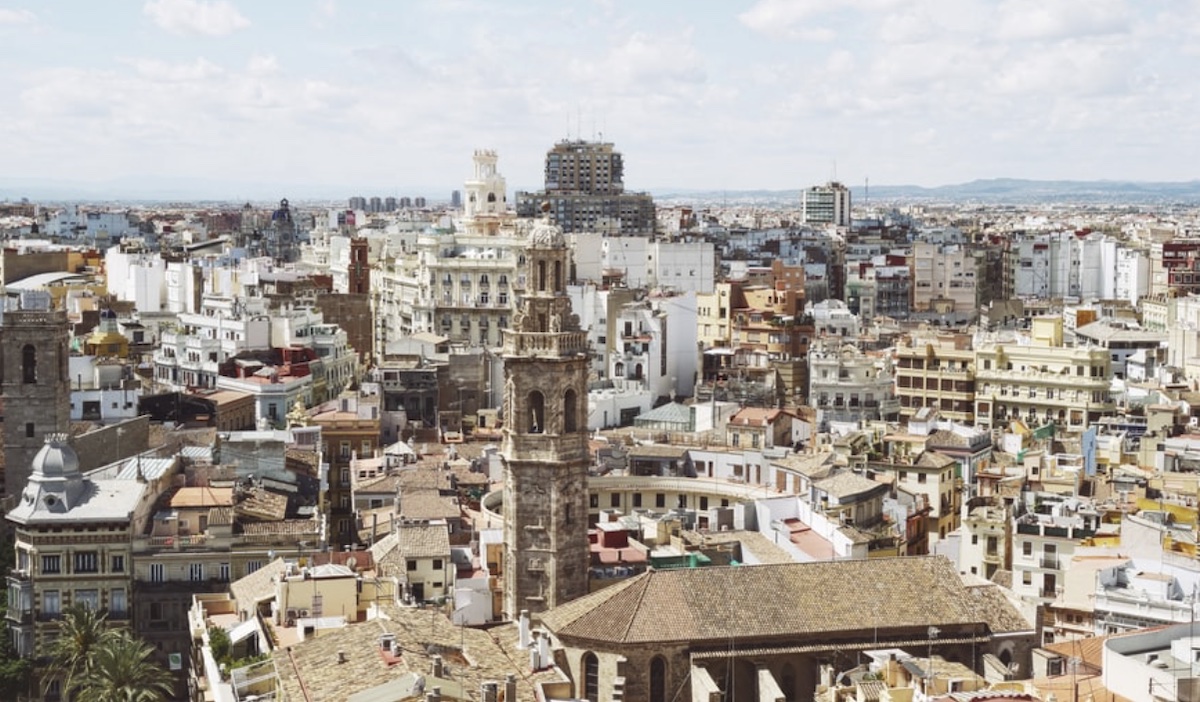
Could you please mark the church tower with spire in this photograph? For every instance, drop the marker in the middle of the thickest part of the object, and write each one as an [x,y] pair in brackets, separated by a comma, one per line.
[545,437]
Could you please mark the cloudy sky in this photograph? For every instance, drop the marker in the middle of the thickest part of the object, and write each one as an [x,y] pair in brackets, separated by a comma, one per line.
[384,97]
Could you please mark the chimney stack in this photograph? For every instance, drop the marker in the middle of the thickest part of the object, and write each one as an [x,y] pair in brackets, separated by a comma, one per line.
[534,653]
[544,649]
[523,630]
[437,667]
[510,688]
[434,695]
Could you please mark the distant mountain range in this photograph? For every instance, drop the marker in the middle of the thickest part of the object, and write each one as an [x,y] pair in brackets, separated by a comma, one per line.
[990,191]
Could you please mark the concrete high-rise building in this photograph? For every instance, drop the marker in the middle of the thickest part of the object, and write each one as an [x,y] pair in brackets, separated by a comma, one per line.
[358,202]
[456,199]
[545,438]
[826,204]
[586,190]
[35,348]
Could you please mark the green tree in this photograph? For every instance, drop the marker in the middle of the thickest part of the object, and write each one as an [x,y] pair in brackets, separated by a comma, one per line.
[14,670]
[80,634]
[123,670]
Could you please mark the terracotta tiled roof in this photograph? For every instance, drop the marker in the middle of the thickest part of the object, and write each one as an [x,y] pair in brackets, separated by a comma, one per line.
[202,497]
[1000,613]
[256,586]
[427,505]
[932,459]
[774,601]
[424,541]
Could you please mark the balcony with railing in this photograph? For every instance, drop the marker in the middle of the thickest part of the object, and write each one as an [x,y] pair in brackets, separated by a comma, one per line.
[554,344]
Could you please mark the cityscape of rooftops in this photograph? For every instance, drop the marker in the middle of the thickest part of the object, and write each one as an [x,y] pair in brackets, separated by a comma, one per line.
[607,351]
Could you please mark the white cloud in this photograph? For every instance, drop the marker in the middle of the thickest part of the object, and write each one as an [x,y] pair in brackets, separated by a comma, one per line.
[646,64]
[8,16]
[209,17]
[1041,20]
[262,64]
[158,70]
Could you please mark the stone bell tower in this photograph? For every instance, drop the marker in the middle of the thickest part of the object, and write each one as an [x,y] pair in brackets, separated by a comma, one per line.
[34,352]
[545,437]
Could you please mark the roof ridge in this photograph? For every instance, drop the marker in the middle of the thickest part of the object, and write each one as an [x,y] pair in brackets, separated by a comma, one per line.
[641,596]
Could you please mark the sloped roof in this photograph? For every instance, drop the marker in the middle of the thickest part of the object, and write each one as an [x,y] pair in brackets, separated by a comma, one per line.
[671,413]
[846,484]
[424,541]
[774,601]
[256,586]
[933,459]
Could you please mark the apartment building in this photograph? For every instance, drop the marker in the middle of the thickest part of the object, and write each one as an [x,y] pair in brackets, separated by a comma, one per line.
[847,385]
[585,187]
[1037,379]
[945,279]
[1175,267]
[826,204]
[936,370]
[72,539]
[986,543]
[350,428]
[1045,539]
[462,284]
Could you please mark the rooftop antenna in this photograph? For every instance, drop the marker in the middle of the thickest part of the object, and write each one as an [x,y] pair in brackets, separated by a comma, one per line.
[578,121]
[867,190]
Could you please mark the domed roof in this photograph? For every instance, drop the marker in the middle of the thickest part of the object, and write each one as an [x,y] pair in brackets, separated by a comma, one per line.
[546,235]
[56,459]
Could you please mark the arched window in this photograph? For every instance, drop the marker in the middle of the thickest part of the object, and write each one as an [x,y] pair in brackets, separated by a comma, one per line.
[491,197]
[537,413]
[541,276]
[787,681]
[28,364]
[619,370]
[558,276]
[658,679]
[591,677]
[637,372]
[570,411]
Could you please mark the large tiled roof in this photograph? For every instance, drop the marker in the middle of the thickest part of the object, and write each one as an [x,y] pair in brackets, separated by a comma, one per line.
[310,670]
[1001,614]
[933,459]
[256,586]
[425,541]
[846,484]
[773,602]
[427,505]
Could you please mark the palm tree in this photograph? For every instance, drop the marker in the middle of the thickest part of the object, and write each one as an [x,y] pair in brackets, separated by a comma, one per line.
[123,670]
[80,633]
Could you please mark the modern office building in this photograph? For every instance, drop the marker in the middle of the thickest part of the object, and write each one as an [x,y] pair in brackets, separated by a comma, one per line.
[826,204]
[586,190]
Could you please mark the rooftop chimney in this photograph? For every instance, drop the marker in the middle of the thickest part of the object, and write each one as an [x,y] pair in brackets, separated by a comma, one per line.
[523,630]
[510,687]
[535,663]
[438,668]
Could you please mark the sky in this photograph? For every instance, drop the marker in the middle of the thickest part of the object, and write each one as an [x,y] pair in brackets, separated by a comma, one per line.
[392,97]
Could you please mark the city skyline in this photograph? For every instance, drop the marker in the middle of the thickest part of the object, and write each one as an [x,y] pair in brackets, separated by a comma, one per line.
[370,98]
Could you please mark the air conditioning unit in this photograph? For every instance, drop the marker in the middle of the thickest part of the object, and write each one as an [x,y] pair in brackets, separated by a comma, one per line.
[303,613]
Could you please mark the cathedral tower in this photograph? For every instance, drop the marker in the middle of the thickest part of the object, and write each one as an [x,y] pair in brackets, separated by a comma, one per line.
[34,352]
[545,437]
